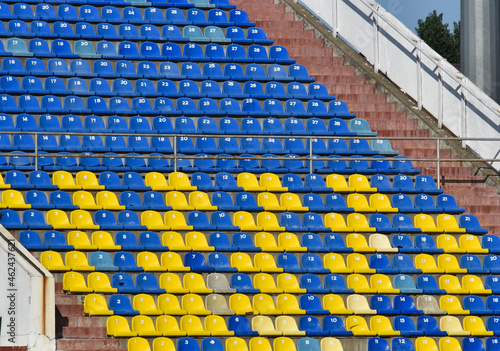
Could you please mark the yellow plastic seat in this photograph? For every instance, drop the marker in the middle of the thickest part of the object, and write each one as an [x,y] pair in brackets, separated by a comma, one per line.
[358,243]
[266,263]
[83,220]
[359,203]
[425,344]
[245,221]
[169,326]
[426,263]
[284,343]
[361,184]
[144,326]
[236,344]
[52,260]
[449,344]
[451,284]
[288,304]
[249,182]
[359,284]
[359,223]
[169,304]
[382,326]
[474,285]
[180,182]
[14,199]
[452,305]
[331,344]
[475,326]
[426,224]
[196,284]
[104,241]
[192,326]
[174,242]
[217,326]
[146,305]
[358,326]
[449,224]
[288,283]
[288,326]
[335,304]
[337,223]
[264,326]
[173,262]
[265,283]
[338,183]
[289,242]
[138,344]
[149,262]
[59,220]
[270,202]
[178,201]
[335,263]
[448,243]
[240,304]
[172,284]
[264,304]
[381,243]
[292,202]
[88,181]
[157,182]
[118,327]
[243,263]
[85,200]
[260,344]
[77,261]
[163,344]
[358,304]
[96,305]
[3,185]
[450,264]
[471,244]
[99,283]
[74,282]
[452,326]
[359,264]
[267,243]
[269,222]
[64,180]
[80,241]
[383,284]
[271,182]
[153,221]
[176,221]
[108,201]
[200,201]
[194,304]
[382,203]
[198,242]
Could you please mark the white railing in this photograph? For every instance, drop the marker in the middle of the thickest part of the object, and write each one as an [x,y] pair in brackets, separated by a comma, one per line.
[436,86]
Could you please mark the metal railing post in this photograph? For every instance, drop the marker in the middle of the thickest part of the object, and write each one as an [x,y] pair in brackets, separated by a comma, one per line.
[310,156]
[334,18]
[36,151]
[418,47]
[438,155]
[440,95]
[175,154]
[376,64]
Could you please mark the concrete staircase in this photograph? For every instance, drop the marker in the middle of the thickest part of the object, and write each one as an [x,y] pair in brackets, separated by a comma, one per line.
[353,85]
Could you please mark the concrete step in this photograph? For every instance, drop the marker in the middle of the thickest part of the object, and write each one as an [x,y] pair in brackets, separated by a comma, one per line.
[88,344]
[70,310]
[92,332]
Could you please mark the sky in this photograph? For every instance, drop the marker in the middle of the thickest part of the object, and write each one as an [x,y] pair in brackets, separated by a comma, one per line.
[410,11]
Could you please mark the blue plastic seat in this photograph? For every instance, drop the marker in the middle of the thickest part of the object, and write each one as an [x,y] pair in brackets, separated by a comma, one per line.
[246,202]
[406,326]
[382,223]
[312,284]
[404,264]
[289,263]
[406,305]
[383,305]
[220,241]
[428,284]
[426,244]
[242,283]
[10,220]
[471,224]
[125,261]
[31,240]
[429,326]
[339,127]
[404,223]
[120,305]
[244,242]
[335,243]
[382,264]
[34,219]
[291,222]
[473,264]
[148,284]
[335,326]
[124,283]
[240,324]
[222,221]
[219,262]
[311,326]
[56,241]
[312,262]
[102,261]
[476,306]
[337,203]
